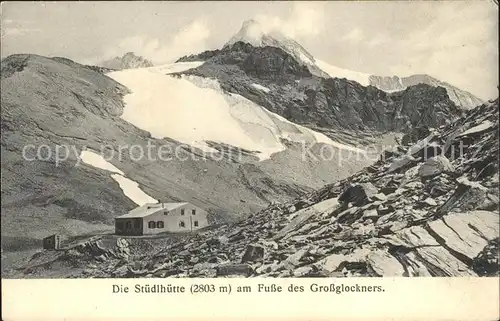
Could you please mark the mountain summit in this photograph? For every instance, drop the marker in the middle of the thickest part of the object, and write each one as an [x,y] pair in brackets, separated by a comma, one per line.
[461,98]
[254,33]
[251,32]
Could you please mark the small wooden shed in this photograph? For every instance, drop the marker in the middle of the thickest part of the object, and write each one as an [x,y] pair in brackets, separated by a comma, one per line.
[52,242]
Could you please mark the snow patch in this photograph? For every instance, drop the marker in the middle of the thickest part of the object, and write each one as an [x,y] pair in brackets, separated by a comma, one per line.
[337,72]
[131,190]
[98,161]
[260,87]
[479,128]
[176,67]
[204,148]
[317,137]
[465,181]
[129,187]
[191,111]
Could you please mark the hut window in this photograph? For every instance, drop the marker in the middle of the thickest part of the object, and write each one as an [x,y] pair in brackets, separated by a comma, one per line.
[159,224]
[165,213]
[128,225]
[193,212]
[195,223]
[182,211]
[137,224]
[181,224]
[151,224]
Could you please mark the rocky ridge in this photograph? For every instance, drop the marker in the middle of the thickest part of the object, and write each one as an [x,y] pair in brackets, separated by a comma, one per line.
[427,208]
[127,61]
[294,92]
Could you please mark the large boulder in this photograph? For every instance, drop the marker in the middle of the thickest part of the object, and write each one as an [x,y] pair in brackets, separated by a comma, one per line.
[253,253]
[232,269]
[358,195]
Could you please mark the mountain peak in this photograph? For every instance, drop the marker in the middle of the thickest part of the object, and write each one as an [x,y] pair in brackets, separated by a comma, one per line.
[251,32]
[258,35]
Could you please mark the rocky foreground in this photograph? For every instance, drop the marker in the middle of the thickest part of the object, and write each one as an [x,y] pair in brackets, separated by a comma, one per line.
[429,208]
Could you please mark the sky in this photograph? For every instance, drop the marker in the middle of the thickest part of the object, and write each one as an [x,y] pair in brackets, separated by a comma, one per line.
[454,41]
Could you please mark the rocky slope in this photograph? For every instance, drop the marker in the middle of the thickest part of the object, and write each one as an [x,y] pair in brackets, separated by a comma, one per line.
[55,103]
[461,98]
[427,208]
[127,61]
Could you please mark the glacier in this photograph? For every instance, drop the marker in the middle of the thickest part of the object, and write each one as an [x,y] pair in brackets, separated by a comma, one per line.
[195,110]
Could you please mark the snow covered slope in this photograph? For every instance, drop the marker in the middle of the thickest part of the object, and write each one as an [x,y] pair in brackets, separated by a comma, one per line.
[195,110]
